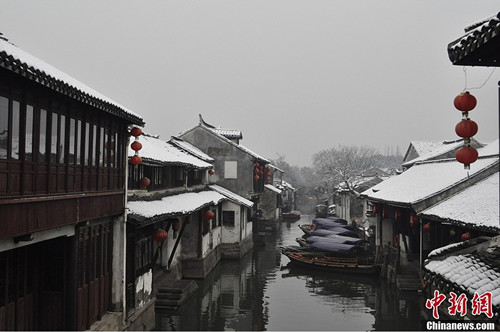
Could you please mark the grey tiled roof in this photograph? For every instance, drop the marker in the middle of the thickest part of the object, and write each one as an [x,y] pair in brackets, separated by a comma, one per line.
[480,46]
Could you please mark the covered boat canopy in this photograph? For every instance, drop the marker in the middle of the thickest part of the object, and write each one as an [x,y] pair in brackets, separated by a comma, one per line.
[334,238]
[334,231]
[333,247]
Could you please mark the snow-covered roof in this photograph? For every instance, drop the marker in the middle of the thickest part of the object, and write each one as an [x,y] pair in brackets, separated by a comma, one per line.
[25,64]
[479,45]
[229,133]
[476,205]
[431,149]
[231,196]
[476,270]
[180,204]
[272,188]
[425,180]
[179,142]
[490,149]
[284,184]
[210,128]
[156,150]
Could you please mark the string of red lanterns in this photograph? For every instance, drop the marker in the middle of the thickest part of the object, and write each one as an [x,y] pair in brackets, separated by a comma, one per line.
[466,128]
[136,146]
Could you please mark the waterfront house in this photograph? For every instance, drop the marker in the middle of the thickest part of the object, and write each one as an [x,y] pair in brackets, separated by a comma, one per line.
[236,167]
[63,157]
[236,210]
[433,150]
[397,202]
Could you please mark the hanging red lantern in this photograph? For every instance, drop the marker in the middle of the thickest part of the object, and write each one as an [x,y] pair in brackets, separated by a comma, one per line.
[268,169]
[413,220]
[257,164]
[374,208]
[160,235]
[465,236]
[397,214]
[466,155]
[261,172]
[268,179]
[465,102]
[136,145]
[145,182]
[256,171]
[211,172]
[208,215]
[136,131]
[466,128]
[427,227]
[256,178]
[176,225]
[135,160]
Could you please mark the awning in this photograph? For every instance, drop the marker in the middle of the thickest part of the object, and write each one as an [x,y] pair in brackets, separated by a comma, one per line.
[272,188]
[232,196]
[147,212]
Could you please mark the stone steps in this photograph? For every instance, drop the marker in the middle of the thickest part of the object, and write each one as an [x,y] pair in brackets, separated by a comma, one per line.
[171,295]
[409,281]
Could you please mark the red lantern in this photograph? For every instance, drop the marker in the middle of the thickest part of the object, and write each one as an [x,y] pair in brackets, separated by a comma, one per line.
[257,164]
[209,215]
[465,236]
[135,160]
[136,145]
[413,220]
[136,131]
[160,235]
[256,178]
[211,172]
[268,169]
[268,179]
[397,214]
[427,227]
[374,208]
[466,155]
[465,102]
[145,182]
[466,128]
[256,171]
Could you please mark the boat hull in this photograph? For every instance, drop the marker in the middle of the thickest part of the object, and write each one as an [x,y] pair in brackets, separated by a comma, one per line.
[338,264]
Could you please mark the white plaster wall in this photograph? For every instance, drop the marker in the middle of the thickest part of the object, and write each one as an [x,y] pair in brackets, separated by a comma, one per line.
[143,289]
[231,234]
[211,240]
[387,235]
[168,246]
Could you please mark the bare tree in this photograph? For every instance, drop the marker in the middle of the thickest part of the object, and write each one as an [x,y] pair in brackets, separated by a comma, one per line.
[343,165]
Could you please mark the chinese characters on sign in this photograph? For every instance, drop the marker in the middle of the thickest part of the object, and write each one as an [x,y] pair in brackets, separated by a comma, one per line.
[458,304]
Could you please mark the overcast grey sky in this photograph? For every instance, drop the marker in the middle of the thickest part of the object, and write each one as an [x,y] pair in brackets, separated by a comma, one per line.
[294,76]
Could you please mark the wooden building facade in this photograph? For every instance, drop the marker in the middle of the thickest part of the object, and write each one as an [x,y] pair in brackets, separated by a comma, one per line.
[62,195]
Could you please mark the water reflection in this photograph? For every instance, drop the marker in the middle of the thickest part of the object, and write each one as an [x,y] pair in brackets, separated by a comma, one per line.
[263,292]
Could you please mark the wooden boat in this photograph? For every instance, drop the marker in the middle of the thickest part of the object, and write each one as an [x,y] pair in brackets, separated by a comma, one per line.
[312,230]
[319,260]
[291,216]
[333,238]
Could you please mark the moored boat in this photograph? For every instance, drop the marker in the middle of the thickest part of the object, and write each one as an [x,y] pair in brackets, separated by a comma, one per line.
[318,259]
[291,216]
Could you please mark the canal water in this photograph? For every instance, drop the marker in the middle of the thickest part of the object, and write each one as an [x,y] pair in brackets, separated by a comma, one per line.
[263,292]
